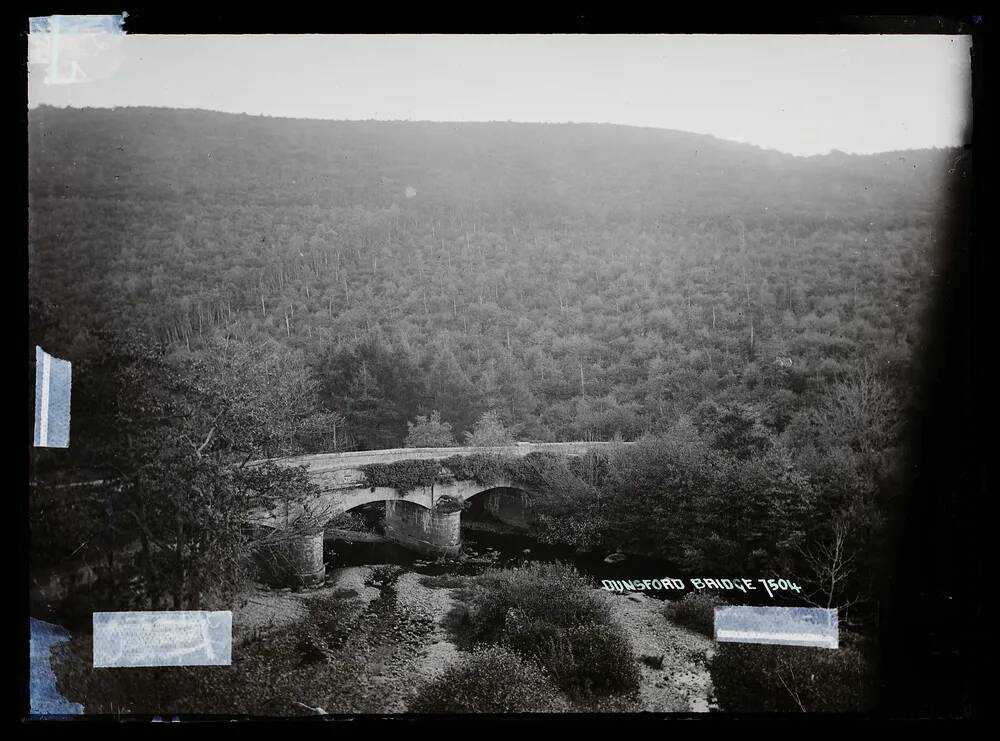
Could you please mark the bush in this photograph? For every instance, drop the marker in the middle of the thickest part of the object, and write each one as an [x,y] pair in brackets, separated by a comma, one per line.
[490,431]
[547,592]
[429,433]
[604,660]
[403,476]
[770,678]
[443,581]
[584,660]
[352,521]
[695,611]
[493,680]
[653,662]
[548,613]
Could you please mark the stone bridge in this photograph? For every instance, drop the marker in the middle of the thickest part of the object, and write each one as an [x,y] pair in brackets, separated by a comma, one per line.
[412,518]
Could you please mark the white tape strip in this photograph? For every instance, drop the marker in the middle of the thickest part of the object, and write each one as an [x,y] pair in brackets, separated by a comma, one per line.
[167,638]
[790,626]
[43,430]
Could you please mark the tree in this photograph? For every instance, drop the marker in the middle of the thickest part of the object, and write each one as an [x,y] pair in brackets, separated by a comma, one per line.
[651,487]
[272,386]
[733,428]
[490,431]
[429,433]
[601,418]
[450,390]
[830,565]
[172,451]
[751,516]
[377,387]
[860,412]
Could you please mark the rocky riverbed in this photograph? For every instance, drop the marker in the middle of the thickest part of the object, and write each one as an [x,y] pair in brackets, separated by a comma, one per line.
[410,643]
[364,642]
[682,683]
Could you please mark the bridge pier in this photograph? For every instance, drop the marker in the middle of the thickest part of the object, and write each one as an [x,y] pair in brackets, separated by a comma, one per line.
[425,530]
[298,560]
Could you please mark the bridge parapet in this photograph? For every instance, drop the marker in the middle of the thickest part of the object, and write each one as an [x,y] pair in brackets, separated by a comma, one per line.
[323,462]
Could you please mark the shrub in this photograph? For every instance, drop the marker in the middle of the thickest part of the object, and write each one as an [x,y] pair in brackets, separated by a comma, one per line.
[483,468]
[605,663]
[493,680]
[429,433]
[352,521]
[771,678]
[447,504]
[549,614]
[383,576]
[535,469]
[589,659]
[490,431]
[550,592]
[653,662]
[443,581]
[695,611]
[403,476]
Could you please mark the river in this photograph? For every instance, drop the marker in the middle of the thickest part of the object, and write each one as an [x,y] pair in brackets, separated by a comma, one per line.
[488,543]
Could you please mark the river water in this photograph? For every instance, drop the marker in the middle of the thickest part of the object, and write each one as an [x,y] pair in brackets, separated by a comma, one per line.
[487,543]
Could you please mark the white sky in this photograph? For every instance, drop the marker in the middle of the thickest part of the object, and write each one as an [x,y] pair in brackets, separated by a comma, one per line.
[797,94]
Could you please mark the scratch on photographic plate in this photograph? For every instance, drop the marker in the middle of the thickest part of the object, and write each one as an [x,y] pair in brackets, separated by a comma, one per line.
[75,48]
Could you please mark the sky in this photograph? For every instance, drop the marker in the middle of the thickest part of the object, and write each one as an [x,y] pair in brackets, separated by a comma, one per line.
[803,95]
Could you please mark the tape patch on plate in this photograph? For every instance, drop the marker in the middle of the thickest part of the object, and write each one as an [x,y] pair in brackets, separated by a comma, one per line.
[53,382]
[163,638]
[44,695]
[75,48]
[789,626]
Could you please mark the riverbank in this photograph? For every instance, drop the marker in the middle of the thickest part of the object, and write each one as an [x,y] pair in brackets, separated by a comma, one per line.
[352,536]
[364,642]
[682,683]
[491,526]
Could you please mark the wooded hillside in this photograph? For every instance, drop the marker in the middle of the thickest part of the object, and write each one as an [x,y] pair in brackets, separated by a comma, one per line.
[585,280]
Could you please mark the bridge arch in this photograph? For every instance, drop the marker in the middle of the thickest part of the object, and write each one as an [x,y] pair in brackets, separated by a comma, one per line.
[506,502]
[345,500]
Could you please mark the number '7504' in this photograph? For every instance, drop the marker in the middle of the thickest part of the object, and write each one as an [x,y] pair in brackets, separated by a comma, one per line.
[775,585]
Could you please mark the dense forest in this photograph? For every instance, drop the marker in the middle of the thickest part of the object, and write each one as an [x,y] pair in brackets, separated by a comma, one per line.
[586,281]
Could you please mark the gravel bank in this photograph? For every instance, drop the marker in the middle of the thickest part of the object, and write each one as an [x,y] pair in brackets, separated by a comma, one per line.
[437,652]
[683,684]
[350,577]
[267,610]
[400,641]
